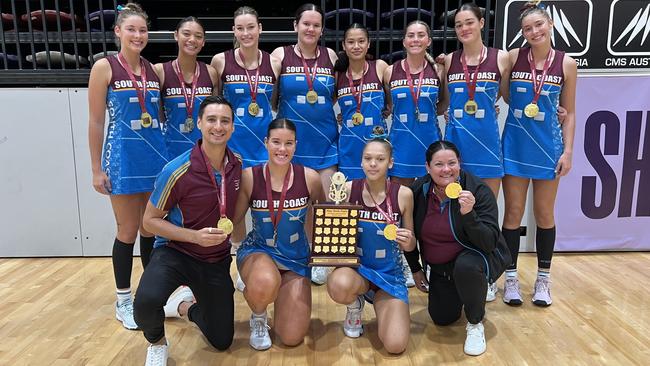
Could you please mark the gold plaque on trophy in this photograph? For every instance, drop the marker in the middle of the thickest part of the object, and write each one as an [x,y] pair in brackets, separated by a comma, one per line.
[335,229]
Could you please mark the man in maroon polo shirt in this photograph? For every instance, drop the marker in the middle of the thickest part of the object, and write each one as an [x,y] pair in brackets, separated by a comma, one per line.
[192,194]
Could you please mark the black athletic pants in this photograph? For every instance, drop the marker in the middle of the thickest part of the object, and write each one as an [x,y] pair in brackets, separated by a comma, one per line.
[213,312]
[459,283]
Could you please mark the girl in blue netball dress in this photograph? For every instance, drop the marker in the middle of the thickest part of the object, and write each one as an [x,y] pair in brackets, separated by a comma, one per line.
[272,260]
[134,149]
[385,227]
[306,93]
[360,94]
[535,145]
[185,83]
[475,76]
[414,84]
[248,77]
[306,97]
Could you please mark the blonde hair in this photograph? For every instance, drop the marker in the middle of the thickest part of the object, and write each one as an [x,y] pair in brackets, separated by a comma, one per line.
[125,11]
[532,7]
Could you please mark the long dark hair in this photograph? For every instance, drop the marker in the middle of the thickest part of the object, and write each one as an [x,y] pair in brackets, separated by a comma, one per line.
[343,61]
[280,123]
[307,7]
[440,145]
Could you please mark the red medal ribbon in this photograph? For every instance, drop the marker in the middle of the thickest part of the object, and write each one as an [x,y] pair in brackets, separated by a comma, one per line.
[538,85]
[222,187]
[357,96]
[189,100]
[471,84]
[387,215]
[275,218]
[252,84]
[312,77]
[140,92]
[409,80]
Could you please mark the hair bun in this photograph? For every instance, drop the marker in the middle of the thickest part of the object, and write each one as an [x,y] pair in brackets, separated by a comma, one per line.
[531,5]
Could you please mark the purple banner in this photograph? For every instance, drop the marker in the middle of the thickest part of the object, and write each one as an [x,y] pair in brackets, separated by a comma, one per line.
[604,202]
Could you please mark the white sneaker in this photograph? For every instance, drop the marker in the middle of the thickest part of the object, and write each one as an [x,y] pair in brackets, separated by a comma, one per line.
[171,308]
[240,285]
[260,338]
[319,275]
[157,355]
[408,275]
[352,326]
[475,341]
[124,313]
[492,290]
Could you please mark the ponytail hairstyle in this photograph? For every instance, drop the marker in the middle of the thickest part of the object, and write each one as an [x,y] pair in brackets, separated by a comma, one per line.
[189,20]
[427,55]
[280,123]
[343,61]
[379,135]
[128,10]
[307,7]
[478,13]
[440,145]
[532,7]
[244,10]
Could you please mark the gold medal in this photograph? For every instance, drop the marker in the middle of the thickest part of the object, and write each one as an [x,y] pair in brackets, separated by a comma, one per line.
[357,119]
[189,124]
[390,232]
[146,120]
[471,107]
[225,225]
[312,96]
[253,109]
[453,190]
[531,110]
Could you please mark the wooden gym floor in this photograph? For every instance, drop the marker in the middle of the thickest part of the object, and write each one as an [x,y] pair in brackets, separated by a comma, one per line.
[60,311]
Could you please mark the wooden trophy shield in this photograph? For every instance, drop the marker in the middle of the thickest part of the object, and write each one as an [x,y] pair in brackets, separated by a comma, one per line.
[334,230]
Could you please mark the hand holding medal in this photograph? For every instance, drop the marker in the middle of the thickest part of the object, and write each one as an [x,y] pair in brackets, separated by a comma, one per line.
[466,199]
[390,230]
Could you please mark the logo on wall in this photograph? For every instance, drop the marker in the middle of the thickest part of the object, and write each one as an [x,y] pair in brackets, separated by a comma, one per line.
[629,26]
[571,28]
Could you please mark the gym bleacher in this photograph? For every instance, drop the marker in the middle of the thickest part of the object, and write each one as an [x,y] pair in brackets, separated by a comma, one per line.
[55,42]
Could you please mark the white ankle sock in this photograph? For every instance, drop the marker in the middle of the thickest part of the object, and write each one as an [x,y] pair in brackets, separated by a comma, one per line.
[123,296]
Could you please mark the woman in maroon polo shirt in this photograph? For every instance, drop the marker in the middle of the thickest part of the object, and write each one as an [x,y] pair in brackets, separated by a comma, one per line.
[456,224]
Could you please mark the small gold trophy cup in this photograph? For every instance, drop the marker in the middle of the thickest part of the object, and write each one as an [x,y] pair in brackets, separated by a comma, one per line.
[334,234]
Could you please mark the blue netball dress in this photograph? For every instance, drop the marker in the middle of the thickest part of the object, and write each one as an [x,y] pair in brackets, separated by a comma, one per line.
[250,130]
[476,135]
[317,131]
[354,137]
[381,260]
[533,146]
[410,136]
[291,250]
[133,154]
[179,136]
